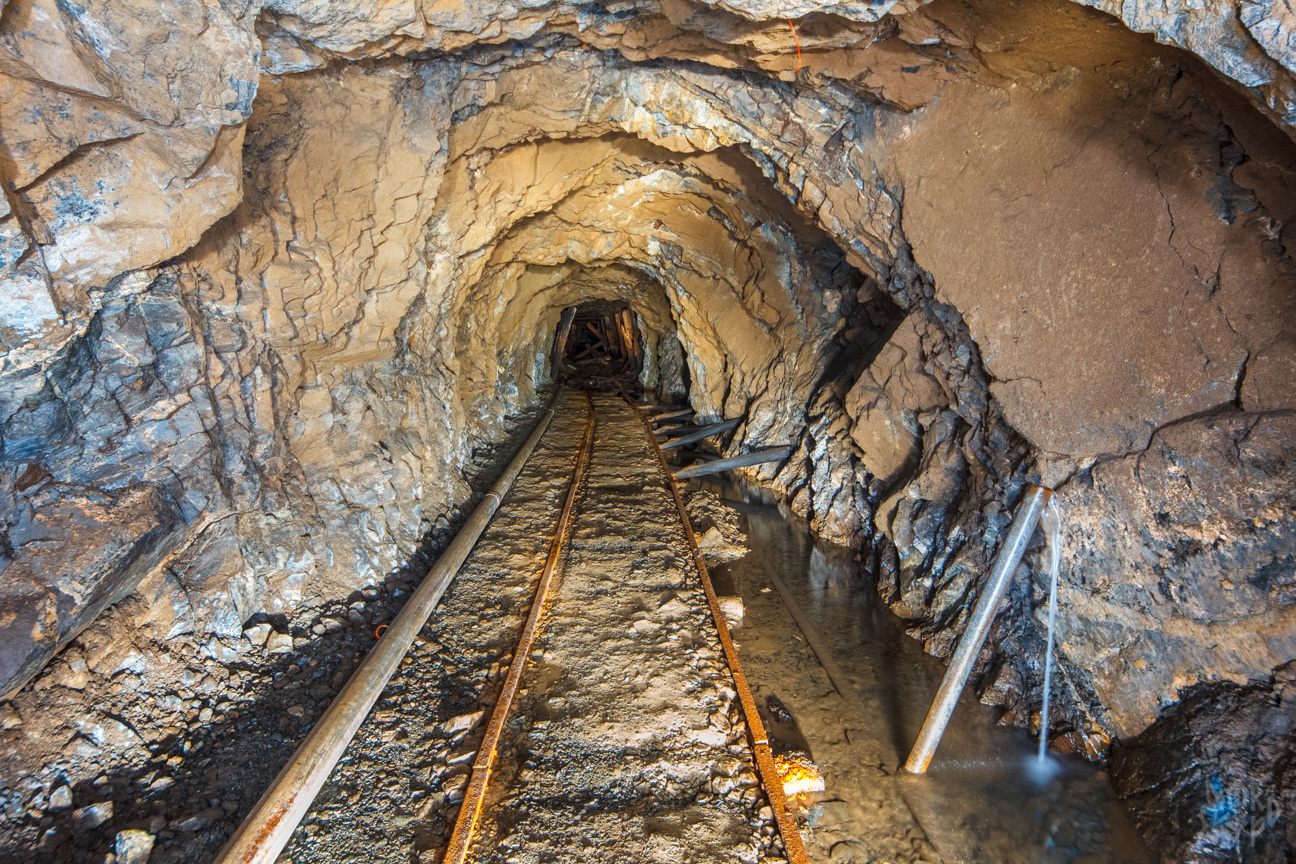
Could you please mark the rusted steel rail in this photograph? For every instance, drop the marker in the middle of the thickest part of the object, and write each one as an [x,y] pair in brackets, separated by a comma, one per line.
[793,846]
[270,825]
[475,794]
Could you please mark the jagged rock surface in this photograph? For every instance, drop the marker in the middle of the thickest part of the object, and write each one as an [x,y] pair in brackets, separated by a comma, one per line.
[259,306]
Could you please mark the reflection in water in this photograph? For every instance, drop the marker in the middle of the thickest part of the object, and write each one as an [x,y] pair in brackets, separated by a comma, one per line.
[977,803]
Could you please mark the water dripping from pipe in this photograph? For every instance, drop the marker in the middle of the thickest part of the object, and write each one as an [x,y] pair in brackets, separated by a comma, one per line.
[1051,522]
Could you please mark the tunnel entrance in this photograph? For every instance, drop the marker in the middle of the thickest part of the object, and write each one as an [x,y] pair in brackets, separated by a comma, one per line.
[597,344]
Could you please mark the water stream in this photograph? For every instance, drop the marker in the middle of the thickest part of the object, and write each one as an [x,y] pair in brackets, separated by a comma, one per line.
[983,800]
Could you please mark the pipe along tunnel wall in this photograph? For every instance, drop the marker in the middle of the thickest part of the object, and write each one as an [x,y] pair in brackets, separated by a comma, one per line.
[265,324]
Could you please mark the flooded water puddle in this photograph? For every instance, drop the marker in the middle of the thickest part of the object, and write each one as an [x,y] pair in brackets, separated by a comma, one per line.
[981,800]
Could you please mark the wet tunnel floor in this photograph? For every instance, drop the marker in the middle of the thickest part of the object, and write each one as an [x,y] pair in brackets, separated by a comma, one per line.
[626,742]
[976,804]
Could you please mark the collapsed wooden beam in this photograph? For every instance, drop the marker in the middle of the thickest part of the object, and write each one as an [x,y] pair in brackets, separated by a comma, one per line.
[756,457]
[564,330]
[672,415]
[667,432]
[703,432]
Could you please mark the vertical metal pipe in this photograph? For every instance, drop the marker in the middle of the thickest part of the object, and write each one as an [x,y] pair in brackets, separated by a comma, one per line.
[267,829]
[1010,555]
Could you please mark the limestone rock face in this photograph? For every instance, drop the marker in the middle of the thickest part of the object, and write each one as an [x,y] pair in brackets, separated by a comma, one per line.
[49,595]
[271,273]
[113,165]
[1205,587]
[887,401]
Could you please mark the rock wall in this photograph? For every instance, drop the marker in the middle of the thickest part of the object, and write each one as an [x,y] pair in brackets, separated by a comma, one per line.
[260,311]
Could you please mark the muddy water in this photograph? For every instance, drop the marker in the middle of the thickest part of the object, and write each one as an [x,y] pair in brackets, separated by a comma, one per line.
[978,803]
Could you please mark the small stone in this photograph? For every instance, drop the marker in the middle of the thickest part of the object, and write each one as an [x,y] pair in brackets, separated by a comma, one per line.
[198,822]
[297,711]
[258,634]
[279,643]
[92,816]
[462,723]
[732,610]
[133,846]
[9,717]
[672,608]
[60,799]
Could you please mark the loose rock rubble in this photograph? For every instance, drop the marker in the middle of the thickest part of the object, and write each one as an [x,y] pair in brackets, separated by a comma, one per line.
[153,750]
[272,271]
[627,742]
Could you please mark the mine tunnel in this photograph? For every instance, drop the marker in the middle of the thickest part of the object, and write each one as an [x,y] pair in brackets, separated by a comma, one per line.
[597,341]
[707,430]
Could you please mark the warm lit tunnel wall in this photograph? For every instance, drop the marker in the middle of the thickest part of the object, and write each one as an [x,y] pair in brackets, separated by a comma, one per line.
[965,249]
[436,341]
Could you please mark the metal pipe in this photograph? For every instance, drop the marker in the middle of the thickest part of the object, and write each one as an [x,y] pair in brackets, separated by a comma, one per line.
[267,829]
[1001,571]
[672,415]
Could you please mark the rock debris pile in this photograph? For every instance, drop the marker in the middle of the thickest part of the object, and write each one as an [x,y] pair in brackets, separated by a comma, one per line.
[273,272]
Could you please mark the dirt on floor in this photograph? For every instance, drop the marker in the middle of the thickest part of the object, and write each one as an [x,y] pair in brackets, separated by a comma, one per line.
[626,741]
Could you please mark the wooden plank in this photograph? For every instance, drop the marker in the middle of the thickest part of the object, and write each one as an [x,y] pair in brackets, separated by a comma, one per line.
[769,454]
[672,415]
[560,340]
[667,432]
[704,432]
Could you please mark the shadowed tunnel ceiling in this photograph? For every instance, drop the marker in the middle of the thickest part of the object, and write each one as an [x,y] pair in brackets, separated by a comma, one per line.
[273,272]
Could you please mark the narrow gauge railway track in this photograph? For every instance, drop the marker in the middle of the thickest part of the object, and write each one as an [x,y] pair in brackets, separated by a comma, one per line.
[574,697]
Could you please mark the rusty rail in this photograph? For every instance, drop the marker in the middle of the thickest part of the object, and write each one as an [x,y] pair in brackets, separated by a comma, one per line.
[475,794]
[793,846]
[270,825]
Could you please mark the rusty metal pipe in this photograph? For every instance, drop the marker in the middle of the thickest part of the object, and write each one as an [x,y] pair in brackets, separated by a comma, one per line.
[1001,571]
[267,829]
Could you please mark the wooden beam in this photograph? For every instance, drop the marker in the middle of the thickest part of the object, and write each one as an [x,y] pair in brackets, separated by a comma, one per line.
[704,432]
[672,415]
[560,340]
[757,457]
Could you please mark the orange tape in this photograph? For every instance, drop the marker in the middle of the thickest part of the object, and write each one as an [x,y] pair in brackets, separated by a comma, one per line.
[798,44]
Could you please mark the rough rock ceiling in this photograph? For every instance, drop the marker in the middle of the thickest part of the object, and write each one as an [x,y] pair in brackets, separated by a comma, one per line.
[271,272]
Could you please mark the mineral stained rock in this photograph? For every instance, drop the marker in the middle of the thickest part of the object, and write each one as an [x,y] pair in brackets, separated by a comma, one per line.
[1223,752]
[273,272]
